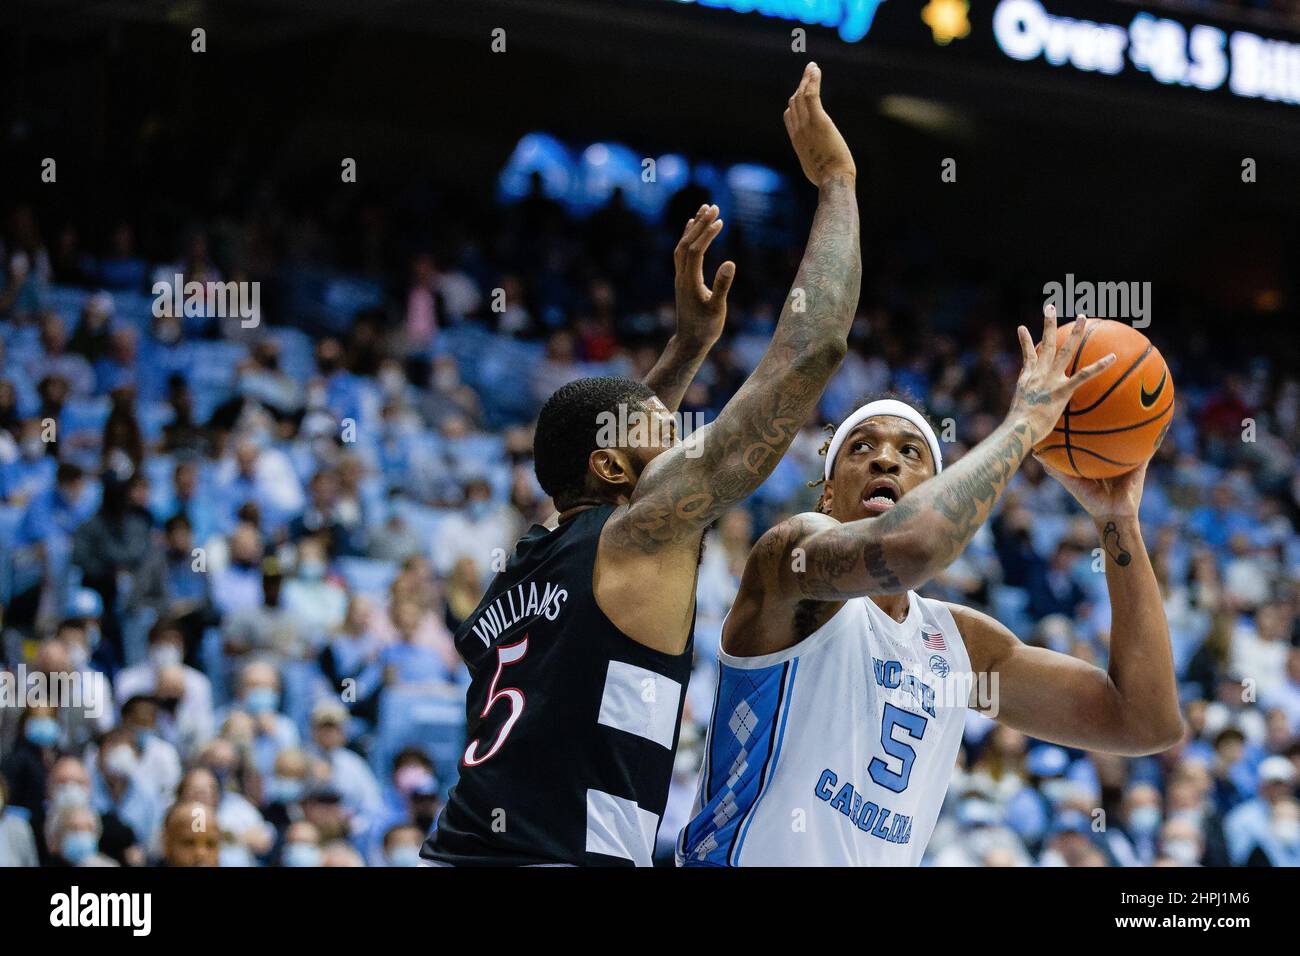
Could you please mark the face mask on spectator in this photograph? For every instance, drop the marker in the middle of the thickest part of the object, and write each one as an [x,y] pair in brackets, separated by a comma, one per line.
[165,655]
[1287,831]
[1144,820]
[261,700]
[1186,852]
[120,761]
[1194,816]
[407,855]
[1057,790]
[71,794]
[283,790]
[233,854]
[301,854]
[43,731]
[311,570]
[78,845]
[410,777]
[78,656]
[33,449]
[478,510]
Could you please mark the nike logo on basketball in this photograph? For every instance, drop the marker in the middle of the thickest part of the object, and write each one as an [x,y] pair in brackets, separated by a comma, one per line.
[1149,398]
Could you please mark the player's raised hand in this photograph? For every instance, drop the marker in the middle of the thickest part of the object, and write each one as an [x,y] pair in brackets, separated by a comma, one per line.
[701,311]
[1105,499]
[1045,384]
[821,149]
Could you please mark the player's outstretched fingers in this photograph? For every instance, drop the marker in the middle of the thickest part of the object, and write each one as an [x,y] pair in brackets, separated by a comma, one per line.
[1066,352]
[1089,372]
[1027,353]
[694,227]
[722,281]
[812,86]
[706,236]
[1047,348]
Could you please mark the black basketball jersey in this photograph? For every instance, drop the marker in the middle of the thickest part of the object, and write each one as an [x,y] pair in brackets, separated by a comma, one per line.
[572,725]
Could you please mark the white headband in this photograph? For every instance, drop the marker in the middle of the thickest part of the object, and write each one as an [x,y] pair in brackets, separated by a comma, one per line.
[885,406]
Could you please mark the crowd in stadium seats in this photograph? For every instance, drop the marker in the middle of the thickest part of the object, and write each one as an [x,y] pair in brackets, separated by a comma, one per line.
[254,537]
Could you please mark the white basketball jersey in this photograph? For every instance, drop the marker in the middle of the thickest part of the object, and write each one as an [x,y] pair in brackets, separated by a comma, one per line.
[837,751]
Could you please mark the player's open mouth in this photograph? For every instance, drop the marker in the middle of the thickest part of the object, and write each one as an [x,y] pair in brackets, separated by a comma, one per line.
[880,496]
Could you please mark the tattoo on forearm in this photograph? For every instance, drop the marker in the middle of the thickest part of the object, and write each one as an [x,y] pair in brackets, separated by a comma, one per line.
[945,512]
[1114,547]
[745,442]
[873,557]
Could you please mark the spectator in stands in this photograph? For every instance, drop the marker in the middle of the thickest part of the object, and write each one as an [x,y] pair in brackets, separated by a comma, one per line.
[259,702]
[1133,841]
[284,788]
[111,548]
[1181,843]
[120,794]
[72,833]
[91,339]
[349,774]
[121,269]
[311,598]
[1286,697]
[238,585]
[158,764]
[190,836]
[173,582]
[246,836]
[27,765]
[20,296]
[301,845]
[32,471]
[263,476]
[351,648]
[1249,825]
[482,530]
[267,628]
[56,361]
[187,708]
[402,846]
[17,844]
[340,528]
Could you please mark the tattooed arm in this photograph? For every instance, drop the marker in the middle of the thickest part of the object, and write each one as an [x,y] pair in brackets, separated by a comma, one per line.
[701,311]
[690,485]
[814,557]
[1131,707]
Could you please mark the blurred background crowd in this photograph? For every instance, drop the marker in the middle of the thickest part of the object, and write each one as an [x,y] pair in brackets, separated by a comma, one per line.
[256,531]
[261,540]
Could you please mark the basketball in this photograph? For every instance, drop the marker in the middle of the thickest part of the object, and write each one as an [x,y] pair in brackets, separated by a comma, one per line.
[1116,421]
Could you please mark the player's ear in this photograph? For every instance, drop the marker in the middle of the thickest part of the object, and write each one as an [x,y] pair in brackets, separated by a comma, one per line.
[824,504]
[612,468]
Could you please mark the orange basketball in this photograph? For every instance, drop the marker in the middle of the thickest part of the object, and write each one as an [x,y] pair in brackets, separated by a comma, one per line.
[1116,421]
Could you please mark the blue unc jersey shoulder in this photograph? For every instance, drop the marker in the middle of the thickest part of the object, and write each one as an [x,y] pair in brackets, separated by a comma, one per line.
[837,751]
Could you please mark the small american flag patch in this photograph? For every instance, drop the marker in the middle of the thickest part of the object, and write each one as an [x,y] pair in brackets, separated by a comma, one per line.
[933,639]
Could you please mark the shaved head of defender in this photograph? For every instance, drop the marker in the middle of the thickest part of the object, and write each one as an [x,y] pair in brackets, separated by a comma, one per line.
[842,693]
[595,438]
